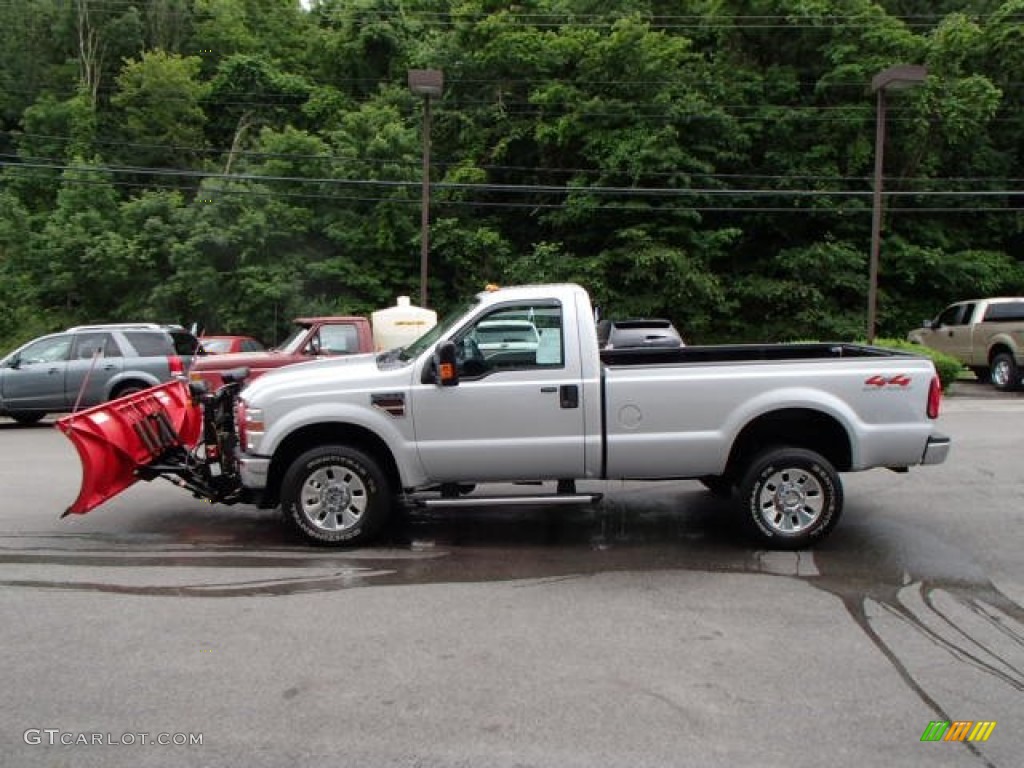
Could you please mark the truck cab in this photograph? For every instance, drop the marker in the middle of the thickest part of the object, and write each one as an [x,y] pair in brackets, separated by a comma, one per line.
[311,338]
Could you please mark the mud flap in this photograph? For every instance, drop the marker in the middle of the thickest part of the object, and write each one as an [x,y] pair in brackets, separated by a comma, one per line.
[115,440]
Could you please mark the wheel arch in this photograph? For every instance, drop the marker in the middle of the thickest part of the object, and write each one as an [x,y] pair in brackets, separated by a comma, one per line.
[794,427]
[998,348]
[328,433]
[129,380]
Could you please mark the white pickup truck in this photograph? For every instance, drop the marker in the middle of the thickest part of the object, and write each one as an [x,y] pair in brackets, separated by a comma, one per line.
[337,442]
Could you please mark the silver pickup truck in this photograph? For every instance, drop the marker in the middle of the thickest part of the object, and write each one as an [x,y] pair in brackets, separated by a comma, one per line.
[337,442]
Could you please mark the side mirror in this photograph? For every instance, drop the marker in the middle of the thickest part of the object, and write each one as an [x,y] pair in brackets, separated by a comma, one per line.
[445,365]
[14,362]
[929,324]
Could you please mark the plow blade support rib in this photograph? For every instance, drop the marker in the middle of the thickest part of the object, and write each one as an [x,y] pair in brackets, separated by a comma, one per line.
[115,439]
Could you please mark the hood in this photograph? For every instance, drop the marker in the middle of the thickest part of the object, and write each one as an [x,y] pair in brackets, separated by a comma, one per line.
[235,360]
[316,375]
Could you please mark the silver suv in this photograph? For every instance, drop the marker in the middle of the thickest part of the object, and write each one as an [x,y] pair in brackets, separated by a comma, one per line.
[90,364]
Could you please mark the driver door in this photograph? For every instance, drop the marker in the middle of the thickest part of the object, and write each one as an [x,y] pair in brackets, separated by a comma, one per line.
[34,379]
[516,414]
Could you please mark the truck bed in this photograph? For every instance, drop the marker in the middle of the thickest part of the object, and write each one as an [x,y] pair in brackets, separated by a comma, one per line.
[738,353]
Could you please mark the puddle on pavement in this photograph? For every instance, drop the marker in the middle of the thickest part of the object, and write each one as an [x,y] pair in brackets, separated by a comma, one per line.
[422,548]
[903,587]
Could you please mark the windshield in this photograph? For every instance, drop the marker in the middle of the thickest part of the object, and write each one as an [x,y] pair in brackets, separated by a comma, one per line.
[291,344]
[427,340]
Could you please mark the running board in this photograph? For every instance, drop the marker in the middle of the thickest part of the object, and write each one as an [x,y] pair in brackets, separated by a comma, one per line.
[554,499]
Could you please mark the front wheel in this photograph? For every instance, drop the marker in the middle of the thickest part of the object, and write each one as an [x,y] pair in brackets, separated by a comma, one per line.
[335,495]
[791,497]
[27,418]
[1005,373]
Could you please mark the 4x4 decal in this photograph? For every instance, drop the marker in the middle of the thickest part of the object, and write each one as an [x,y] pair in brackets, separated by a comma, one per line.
[899,380]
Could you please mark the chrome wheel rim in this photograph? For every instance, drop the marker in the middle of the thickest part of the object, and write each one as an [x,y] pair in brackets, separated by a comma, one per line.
[333,498]
[1001,373]
[790,500]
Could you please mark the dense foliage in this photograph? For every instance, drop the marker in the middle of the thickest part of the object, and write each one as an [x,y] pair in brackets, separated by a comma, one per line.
[239,162]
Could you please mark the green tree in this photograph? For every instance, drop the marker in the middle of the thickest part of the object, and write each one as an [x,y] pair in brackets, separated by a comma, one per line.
[158,111]
[80,268]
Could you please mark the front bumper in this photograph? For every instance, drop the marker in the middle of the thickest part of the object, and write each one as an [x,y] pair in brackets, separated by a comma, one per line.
[253,471]
[936,450]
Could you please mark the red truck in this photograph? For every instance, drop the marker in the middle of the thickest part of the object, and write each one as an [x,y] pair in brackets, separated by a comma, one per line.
[312,338]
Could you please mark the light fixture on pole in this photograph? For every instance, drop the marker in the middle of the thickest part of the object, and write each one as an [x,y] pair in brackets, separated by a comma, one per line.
[891,79]
[428,83]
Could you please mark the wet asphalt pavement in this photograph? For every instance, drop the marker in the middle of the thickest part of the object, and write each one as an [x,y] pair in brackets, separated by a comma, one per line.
[647,631]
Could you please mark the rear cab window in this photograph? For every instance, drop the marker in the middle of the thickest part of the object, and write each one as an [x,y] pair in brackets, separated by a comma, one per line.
[1004,312]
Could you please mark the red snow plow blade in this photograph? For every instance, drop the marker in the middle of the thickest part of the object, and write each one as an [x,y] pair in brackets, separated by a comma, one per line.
[114,440]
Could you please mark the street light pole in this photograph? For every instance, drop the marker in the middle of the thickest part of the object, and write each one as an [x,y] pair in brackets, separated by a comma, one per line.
[428,83]
[893,78]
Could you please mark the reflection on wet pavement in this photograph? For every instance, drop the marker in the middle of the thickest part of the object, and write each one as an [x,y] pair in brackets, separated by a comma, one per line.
[929,609]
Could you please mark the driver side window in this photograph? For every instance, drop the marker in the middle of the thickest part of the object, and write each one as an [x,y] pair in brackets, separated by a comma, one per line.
[46,351]
[512,337]
[952,315]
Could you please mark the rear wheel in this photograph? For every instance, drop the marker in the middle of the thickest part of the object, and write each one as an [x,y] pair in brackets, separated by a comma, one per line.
[1005,373]
[335,495]
[27,418]
[791,497]
[127,389]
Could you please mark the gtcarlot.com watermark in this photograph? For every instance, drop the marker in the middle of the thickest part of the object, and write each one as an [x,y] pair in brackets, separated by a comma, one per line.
[55,737]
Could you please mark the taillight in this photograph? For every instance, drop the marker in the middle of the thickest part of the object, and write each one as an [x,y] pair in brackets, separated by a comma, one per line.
[176,365]
[934,398]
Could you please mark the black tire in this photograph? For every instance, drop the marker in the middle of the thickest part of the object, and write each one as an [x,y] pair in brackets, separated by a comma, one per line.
[28,418]
[1005,373]
[334,495]
[720,486]
[790,497]
[981,373]
[127,389]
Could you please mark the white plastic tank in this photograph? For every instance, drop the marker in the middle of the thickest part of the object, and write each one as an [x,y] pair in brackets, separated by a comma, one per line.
[401,324]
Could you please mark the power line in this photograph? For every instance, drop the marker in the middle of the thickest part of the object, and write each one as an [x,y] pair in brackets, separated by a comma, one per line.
[14,159]
[413,203]
[538,189]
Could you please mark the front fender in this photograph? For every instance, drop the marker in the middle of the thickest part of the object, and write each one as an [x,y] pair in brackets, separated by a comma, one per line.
[395,432]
